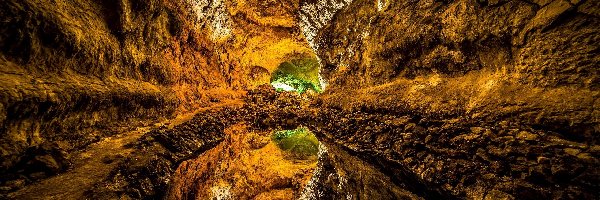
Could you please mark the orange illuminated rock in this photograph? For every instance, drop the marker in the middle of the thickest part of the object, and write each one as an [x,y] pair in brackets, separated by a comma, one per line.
[69,70]
[247,164]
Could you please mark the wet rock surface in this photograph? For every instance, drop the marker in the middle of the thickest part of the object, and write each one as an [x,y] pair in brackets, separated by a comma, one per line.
[341,175]
[442,158]
[146,173]
[368,154]
[418,157]
[249,166]
[156,166]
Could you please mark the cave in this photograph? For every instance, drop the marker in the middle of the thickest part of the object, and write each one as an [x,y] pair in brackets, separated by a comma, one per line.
[299,99]
[299,75]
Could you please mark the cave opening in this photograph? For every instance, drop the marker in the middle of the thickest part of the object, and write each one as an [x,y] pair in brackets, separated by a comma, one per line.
[299,143]
[299,75]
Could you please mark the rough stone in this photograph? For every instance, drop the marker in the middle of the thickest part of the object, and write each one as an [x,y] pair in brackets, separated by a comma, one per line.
[523,71]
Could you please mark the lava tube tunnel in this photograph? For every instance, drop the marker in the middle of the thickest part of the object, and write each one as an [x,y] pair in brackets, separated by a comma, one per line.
[299,99]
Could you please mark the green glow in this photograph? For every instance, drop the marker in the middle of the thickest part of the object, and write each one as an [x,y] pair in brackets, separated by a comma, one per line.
[297,75]
[300,142]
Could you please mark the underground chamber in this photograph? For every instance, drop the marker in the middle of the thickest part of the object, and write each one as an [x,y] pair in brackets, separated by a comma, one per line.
[298,99]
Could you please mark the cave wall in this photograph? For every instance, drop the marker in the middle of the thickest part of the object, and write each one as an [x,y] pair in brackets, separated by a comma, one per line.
[73,72]
[315,14]
[476,99]
[457,37]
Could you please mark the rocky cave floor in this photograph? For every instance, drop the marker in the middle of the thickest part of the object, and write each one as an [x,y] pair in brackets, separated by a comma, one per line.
[224,151]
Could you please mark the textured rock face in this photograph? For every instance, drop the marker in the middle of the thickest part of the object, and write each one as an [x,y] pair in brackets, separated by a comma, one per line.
[148,171]
[343,176]
[466,99]
[72,72]
[315,14]
[546,45]
[245,166]
[476,99]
